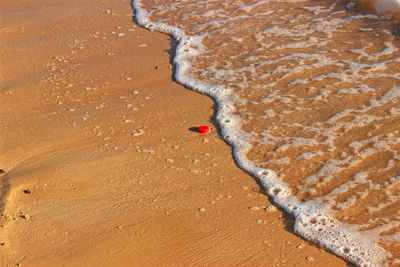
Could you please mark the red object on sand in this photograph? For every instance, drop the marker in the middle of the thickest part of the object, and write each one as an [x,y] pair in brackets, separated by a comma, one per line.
[204,129]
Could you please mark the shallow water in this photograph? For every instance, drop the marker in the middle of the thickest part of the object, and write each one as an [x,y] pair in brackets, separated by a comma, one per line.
[309,95]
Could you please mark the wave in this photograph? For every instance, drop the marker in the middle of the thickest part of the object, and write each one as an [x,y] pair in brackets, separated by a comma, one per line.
[243,68]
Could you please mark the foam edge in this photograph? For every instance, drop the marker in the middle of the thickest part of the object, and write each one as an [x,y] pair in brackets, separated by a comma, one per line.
[311,221]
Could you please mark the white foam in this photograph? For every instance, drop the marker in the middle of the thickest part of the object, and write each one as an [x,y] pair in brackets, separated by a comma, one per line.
[313,219]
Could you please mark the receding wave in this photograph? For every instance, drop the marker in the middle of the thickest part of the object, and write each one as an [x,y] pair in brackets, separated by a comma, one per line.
[308,96]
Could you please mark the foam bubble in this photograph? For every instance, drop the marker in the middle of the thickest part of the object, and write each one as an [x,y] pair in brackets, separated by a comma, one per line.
[269,78]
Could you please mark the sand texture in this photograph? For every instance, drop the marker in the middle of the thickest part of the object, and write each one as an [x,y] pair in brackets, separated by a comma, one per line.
[101,167]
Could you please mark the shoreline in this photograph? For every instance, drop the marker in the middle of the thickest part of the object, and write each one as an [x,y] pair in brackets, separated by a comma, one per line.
[230,131]
[104,148]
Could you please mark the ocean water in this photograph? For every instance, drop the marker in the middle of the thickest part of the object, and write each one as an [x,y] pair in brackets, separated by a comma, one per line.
[308,96]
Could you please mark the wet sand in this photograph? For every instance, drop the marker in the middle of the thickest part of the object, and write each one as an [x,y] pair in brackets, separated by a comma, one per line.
[101,167]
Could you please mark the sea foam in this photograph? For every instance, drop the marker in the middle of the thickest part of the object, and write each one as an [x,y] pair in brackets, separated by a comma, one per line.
[314,216]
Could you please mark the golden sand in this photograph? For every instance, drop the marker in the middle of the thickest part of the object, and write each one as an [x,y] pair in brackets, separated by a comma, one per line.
[101,168]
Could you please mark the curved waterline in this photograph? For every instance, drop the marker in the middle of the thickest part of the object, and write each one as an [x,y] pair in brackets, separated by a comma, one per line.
[311,217]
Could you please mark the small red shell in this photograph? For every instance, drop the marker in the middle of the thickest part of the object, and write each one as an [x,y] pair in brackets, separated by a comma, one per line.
[203,129]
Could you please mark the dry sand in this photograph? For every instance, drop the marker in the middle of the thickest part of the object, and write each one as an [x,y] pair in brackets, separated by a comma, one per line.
[101,168]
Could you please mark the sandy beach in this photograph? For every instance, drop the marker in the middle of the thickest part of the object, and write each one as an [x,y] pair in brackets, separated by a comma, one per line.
[101,167]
